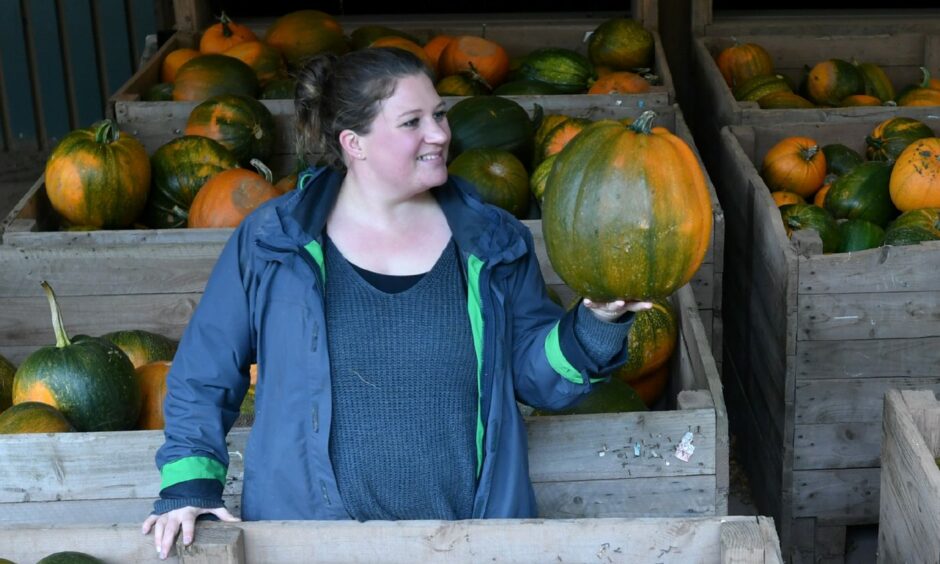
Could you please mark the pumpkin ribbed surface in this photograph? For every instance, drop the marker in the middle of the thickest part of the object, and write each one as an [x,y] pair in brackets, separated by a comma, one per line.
[565,70]
[626,212]
[33,417]
[264,59]
[142,347]
[859,235]
[620,82]
[7,370]
[482,56]
[302,34]
[498,175]
[242,124]
[152,380]
[890,137]
[98,177]
[180,168]
[651,341]
[493,122]
[862,193]
[830,82]
[621,44]
[210,75]
[461,84]
[808,216]
[876,82]
[743,61]
[914,226]
[222,36]
[228,197]
[795,164]
[915,178]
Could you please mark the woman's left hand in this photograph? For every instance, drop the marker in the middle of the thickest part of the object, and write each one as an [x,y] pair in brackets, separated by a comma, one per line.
[609,311]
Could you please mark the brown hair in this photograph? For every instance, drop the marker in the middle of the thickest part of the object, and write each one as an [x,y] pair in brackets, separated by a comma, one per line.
[337,93]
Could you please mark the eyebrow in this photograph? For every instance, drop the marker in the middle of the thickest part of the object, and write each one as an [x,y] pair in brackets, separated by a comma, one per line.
[418,111]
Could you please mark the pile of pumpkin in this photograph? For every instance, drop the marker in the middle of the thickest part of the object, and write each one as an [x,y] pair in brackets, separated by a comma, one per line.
[115,382]
[231,59]
[66,557]
[891,196]
[749,71]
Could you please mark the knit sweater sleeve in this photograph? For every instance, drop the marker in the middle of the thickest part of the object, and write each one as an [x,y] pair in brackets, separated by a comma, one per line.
[602,340]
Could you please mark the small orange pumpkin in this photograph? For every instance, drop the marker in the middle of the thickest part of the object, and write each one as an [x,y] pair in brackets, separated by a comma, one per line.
[620,82]
[407,45]
[152,380]
[173,61]
[782,198]
[435,46]
[795,164]
[229,196]
[264,59]
[556,139]
[222,36]
[860,100]
[652,386]
[819,199]
[743,61]
[302,34]
[467,52]
[915,178]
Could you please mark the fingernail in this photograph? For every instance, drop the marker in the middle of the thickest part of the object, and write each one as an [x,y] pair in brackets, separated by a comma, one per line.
[187,540]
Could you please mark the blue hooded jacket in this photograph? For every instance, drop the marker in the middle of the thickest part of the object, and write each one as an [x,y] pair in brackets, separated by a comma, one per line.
[264,303]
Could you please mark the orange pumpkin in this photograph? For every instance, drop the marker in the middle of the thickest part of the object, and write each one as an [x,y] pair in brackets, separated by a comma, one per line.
[743,61]
[795,164]
[915,178]
[620,82]
[302,34]
[220,37]
[652,386]
[264,59]
[435,47]
[782,198]
[152,380]
[860,100]
[173,61]
[556,139]
[920,97]
[819,199]
[467,52]
[407,45]
[229,196]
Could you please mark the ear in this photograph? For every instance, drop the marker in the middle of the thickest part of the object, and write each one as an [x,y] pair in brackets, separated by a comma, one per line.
[350,143]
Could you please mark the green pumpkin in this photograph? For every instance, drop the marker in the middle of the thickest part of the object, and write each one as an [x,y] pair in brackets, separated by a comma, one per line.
[143,347]
[890,137]
[365,35]
[913,227]
[807,216]
[88,379]
[862,193]
[877,83]
[33,417]
[209,75]
[567,71]
[831,81]
[160,92]
[859,235]
[279,89]
[241,124]
[840,159]
[70,557]
[539,177]
[498,176]
[7,370]
[180,168]
[651,341]
[491,122]
[621,44]
[461,84]
[755,88]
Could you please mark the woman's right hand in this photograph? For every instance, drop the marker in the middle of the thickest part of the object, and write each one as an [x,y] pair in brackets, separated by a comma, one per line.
[165,527]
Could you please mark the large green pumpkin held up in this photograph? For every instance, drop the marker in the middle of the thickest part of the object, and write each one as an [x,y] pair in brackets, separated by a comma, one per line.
[626,211]
[89,379]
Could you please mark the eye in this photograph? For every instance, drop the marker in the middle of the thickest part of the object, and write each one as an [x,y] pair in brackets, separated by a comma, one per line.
[440,115]
[413,122]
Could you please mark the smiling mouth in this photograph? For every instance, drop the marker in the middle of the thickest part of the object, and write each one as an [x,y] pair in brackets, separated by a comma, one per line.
[433,157]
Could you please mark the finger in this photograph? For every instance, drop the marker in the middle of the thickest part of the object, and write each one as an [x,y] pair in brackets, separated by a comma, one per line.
[223,514]
[158,533]
[169,536]
[189,526]
[148,524]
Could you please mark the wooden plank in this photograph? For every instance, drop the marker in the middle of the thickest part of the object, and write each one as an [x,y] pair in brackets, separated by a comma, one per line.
[217,545]
[837,445]
[147,76]
[83,512]
[742,542]
[871,358]
[191,15]
[638,497]
[830,544]
[85,97]
[513,541]
[882,270]
[817,21]
[850,400]
[771,541]
[846,496]
[49,70]
[909,528]
[873,315]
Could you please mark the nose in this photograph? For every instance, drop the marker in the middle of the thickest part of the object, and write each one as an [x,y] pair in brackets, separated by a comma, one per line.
[438,132]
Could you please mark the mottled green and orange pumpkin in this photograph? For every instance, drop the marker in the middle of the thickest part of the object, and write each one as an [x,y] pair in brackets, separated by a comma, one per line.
[915,178]
[555,140]
[743,61]
[831,81]
[499,177]
[98,177]
[840,159]
[88,379]
[461,84]
[809,216]
[7,370]
[782,198]
[621,44]
[626,212]
[264,59]
[209,75]
[180,168]
[913,227]
[302,34]
[228,197]
[564,70]
[142,347]
[890,137]
[33,417]
[783,100]
[862,193]
[795,164]
[70,557]
[539,177]
[174,60]
[877,83]
[242,124]
[651,341]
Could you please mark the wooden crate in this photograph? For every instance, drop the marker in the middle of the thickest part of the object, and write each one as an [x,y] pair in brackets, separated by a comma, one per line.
[606,465]
[107,279]
[909,529]
[900,54]
[728,540]
[812,343]
[519,35]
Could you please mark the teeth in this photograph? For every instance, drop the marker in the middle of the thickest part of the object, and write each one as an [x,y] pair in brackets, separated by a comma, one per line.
[428,157]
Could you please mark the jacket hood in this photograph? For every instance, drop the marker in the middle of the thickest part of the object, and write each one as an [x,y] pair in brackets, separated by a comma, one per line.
[298,217]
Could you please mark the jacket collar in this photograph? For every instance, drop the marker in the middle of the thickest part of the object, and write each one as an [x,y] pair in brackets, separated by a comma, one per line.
[487,232]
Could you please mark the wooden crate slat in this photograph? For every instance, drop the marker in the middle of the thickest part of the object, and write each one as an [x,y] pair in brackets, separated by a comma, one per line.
[910,479]
[875,358]
[876,315]
[837,445]
[890,269]
[846,496]
[851,399]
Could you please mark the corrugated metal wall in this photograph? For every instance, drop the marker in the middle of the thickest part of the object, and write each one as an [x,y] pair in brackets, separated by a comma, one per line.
[60,60]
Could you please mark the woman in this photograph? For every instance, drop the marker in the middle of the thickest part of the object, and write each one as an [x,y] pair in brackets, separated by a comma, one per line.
[395,318]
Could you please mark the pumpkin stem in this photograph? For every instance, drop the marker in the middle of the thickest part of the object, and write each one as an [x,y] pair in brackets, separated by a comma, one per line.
[106,131]
[226,30]
[644,123]
[475,75]
[61,337]
[262,170]
[808,153]
[926,81]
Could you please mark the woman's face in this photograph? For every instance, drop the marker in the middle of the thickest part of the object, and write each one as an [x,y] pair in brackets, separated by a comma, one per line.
[407,144]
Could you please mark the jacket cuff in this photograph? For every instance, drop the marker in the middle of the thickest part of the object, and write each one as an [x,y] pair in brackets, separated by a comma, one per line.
[162,506]
[206,493]
[601,340]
